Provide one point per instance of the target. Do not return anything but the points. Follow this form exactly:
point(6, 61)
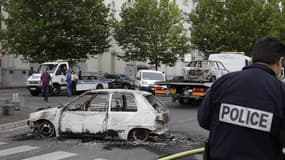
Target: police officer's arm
point(204, 111)
point(282, 131)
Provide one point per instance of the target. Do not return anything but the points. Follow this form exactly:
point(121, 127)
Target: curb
point(13, 125)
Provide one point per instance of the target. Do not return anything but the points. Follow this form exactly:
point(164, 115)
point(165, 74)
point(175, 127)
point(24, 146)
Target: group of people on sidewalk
point(71, 82)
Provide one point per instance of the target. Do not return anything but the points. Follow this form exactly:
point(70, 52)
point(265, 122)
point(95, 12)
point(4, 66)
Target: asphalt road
point(184, 134)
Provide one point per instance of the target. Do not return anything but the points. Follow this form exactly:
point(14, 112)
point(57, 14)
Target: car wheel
point(99, 86)
point(126, 86)
point(44, 129)
point(139, 135)
point(55, 89)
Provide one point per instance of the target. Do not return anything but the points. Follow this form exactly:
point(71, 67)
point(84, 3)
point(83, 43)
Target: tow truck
point(199, 76)
point(57, 70)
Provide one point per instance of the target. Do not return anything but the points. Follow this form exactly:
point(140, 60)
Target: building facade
point(13, 70)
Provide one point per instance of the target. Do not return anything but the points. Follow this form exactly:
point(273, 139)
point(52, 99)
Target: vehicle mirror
point(138, 78)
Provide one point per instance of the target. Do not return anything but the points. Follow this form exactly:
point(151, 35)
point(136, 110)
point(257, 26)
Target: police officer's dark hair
point(268, 50)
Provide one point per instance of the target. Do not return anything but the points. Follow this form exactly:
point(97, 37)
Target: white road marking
point(14, 150)
point(100, 159)
point(52, 156)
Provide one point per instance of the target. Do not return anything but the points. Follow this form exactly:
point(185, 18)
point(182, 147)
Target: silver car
point(204, 71)
point(108, 113)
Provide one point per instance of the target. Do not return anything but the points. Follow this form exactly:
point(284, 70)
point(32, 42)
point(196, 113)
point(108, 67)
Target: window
point(116, 103)
point(156, 104)
point(99, 103)
point(152, 76)
point(49, 67)
point(221, 66)
point(214, 65)
point(130, 103)
point(61, 69)
point(123, 103)
point(79, 103)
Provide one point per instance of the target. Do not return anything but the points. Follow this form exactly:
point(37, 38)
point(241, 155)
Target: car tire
point(126, 86)
point(139, 135)
point(99, 86)
point(55, 90)
point(44, 129)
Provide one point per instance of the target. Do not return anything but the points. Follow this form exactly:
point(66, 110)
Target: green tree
point(152, 31)
point(230, 25)
point(56, 29)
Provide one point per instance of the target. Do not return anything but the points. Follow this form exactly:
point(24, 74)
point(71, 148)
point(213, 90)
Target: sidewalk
point(19, 117)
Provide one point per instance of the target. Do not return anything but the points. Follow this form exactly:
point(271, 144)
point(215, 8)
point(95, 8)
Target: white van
point(145, 79)
point(232, 61)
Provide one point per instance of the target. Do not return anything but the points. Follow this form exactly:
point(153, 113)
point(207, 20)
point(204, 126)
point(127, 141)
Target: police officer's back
point(245, 110)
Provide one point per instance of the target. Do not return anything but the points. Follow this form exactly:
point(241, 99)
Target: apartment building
point(13, 70)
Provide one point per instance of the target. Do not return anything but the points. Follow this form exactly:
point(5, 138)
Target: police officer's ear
point(280, 61)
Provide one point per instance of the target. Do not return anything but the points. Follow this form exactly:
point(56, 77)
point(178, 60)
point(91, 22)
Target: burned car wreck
point(204, 71)
point(115, 113)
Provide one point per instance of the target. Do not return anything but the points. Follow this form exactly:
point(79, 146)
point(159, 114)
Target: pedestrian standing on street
point(80, 75)
point(68, 83)
point(244, 111)
point(74, 82)
point(46, 82)
point(31, 71)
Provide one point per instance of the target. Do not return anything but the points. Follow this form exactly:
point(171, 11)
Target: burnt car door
point(122, 114)
point(87, 116)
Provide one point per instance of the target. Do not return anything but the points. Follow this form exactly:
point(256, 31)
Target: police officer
point(245, 110)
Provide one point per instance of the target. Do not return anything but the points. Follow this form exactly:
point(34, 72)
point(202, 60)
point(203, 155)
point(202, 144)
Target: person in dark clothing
point(244, 111)
point(68, 83)
point(46, 84)
point(80, 75)
point(74, 82)
point(31, 71)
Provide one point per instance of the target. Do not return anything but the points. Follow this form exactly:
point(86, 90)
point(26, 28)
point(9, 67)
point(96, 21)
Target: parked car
point(120, 80)
point(204, 71)
point(108, 113)
point(145, 79)
point(92, 81)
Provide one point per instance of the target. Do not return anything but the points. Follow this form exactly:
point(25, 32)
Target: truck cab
point(57, 70)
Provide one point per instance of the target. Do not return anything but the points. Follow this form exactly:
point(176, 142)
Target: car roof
point(119, 91)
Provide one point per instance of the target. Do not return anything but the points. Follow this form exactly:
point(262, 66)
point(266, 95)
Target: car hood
point(47, 113)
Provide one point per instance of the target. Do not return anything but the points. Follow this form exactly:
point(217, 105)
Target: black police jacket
point(244, 112)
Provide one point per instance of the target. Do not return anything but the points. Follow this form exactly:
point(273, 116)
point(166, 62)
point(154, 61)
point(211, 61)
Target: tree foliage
point(230, 25)
point(56, 29)
point(152, 31)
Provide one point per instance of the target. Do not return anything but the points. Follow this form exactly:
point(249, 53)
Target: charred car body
point(204, 71)
point(115, 113)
